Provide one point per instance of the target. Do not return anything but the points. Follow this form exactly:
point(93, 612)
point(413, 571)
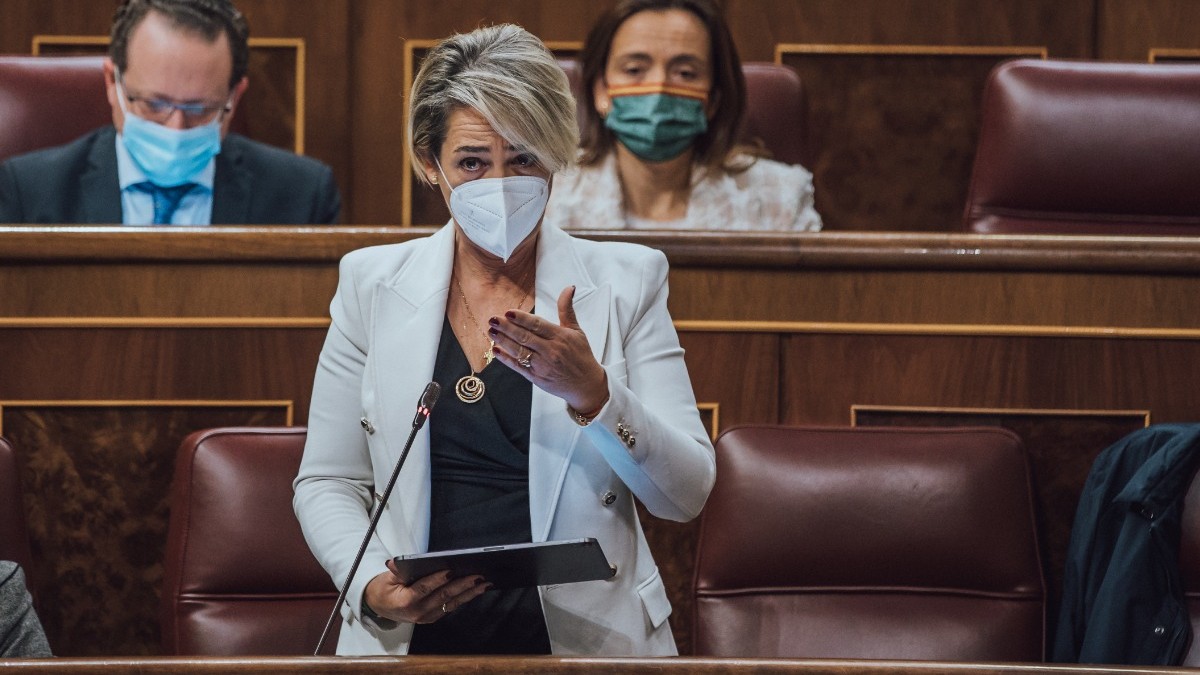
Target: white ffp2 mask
point(497, 214)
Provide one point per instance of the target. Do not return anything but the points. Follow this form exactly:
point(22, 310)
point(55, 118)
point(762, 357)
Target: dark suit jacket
point(255, 184)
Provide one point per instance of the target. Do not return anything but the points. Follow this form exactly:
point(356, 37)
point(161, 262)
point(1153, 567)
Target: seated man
point(175, 73)
point(21, 633)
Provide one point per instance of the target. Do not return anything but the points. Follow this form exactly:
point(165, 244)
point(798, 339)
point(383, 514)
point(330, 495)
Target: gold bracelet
point(584, 419)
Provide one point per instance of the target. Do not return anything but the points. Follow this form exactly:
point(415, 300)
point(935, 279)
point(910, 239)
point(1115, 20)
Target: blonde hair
point(506, 75)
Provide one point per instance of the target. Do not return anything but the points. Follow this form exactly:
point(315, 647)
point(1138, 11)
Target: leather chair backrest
point(775, 108)
point(776, 111)
point(14, 535)
point(1088, 148)
point(49, 100)
point(239, 578)
point(870, 543)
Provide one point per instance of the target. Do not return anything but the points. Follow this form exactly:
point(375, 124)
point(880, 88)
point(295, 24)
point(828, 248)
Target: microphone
point(429, 397)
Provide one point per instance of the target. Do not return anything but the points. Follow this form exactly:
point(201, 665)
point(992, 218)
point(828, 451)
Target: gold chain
point(490, 353)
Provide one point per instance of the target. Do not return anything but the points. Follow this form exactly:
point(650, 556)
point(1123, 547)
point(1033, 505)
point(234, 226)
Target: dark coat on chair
point(21, 634)
point(255, 184)
point(1123, 597)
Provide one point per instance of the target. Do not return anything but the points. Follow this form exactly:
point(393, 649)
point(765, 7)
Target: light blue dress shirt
point(137, 206)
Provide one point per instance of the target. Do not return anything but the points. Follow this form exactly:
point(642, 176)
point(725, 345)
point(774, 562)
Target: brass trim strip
point(1170, 53)
point(301, 47)
point(288, 405)
point(83, 40)
point(298, 44)
point(406, 162)
point(682, 326)
point(965, 330)
point(162, 322)
point(715, 409)
point(908, 50)
point(1075, 412)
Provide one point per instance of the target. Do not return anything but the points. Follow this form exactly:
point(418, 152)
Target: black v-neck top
point(479, 457)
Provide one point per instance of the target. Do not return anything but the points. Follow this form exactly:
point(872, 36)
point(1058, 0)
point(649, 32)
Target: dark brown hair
point(715, 149)
point(207, 18)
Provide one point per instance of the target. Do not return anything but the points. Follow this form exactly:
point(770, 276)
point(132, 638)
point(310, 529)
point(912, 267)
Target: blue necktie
point(166, 199)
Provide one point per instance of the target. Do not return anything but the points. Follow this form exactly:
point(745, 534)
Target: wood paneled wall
point(114, 343)
point(354, 98)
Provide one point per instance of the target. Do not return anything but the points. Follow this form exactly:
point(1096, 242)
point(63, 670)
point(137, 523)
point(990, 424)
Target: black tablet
point(515, 565)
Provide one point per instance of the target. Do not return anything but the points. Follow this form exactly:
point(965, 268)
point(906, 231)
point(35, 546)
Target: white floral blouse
point(769, 196)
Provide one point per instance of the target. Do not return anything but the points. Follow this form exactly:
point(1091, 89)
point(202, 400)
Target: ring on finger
point(525, 360)
point(444, 608)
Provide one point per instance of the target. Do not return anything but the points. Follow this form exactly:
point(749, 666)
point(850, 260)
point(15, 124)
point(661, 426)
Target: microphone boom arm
point(428, 399)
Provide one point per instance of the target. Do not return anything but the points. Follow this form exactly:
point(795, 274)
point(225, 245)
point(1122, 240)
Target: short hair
point(717, 148)
point(510, 78)
point(207, 18)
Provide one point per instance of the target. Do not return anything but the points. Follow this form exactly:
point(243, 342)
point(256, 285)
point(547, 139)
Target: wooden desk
point(115, 342)
point(542, 666)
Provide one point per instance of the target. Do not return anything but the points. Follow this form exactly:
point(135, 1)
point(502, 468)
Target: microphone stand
point(428, 399)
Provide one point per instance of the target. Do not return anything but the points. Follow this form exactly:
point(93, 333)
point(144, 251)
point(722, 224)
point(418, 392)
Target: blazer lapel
point(409, 312)
point(553, 436)
point(231, 185)
point(99, 186)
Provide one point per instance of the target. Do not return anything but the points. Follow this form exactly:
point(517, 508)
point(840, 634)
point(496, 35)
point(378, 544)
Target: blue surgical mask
point(168, 157)
point(657, 122)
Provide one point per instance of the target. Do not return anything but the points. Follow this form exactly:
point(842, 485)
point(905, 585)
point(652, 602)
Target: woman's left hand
point(556, 358)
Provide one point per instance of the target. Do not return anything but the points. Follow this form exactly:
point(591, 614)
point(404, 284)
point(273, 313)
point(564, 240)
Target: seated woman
point(570, 398)
point(664, 98)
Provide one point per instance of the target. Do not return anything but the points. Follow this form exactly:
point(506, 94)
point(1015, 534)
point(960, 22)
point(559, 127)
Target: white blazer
point(378, 356)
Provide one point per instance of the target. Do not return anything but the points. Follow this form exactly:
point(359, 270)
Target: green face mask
point(656, 122)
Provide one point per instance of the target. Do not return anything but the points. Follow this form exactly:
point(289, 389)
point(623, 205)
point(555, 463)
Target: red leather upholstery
point(239, 577)
point(776, 111)
point(14, 537)
point(870, 543)
point(1088, 148)
point(775, 107)
point(47, 101)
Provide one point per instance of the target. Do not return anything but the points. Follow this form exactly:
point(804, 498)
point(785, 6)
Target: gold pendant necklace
point(470, 388)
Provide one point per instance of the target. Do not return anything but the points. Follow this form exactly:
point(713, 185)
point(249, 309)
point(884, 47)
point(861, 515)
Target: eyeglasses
point(160, 110)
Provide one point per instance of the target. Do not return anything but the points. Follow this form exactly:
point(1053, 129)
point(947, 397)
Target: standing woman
point(566, 394)
point(664, 100)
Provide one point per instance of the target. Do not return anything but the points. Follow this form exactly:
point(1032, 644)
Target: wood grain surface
point(354, 77)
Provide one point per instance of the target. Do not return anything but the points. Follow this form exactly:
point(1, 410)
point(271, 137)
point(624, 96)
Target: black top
point(479, 457)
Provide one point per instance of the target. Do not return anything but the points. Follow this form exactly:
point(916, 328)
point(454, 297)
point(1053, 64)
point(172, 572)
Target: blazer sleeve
point(650, 431)
point(334, 489)
point(10, 202)
point(21, 634)
point(330, 200)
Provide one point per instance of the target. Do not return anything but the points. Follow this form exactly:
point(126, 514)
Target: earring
point(433, 179)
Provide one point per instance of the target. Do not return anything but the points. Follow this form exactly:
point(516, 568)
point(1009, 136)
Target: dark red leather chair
point(239, 578)
point(14, 535)
point(872, 543)
point(776, 111)
point(49, 100)
point(775, 107)
point(1088, 148)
